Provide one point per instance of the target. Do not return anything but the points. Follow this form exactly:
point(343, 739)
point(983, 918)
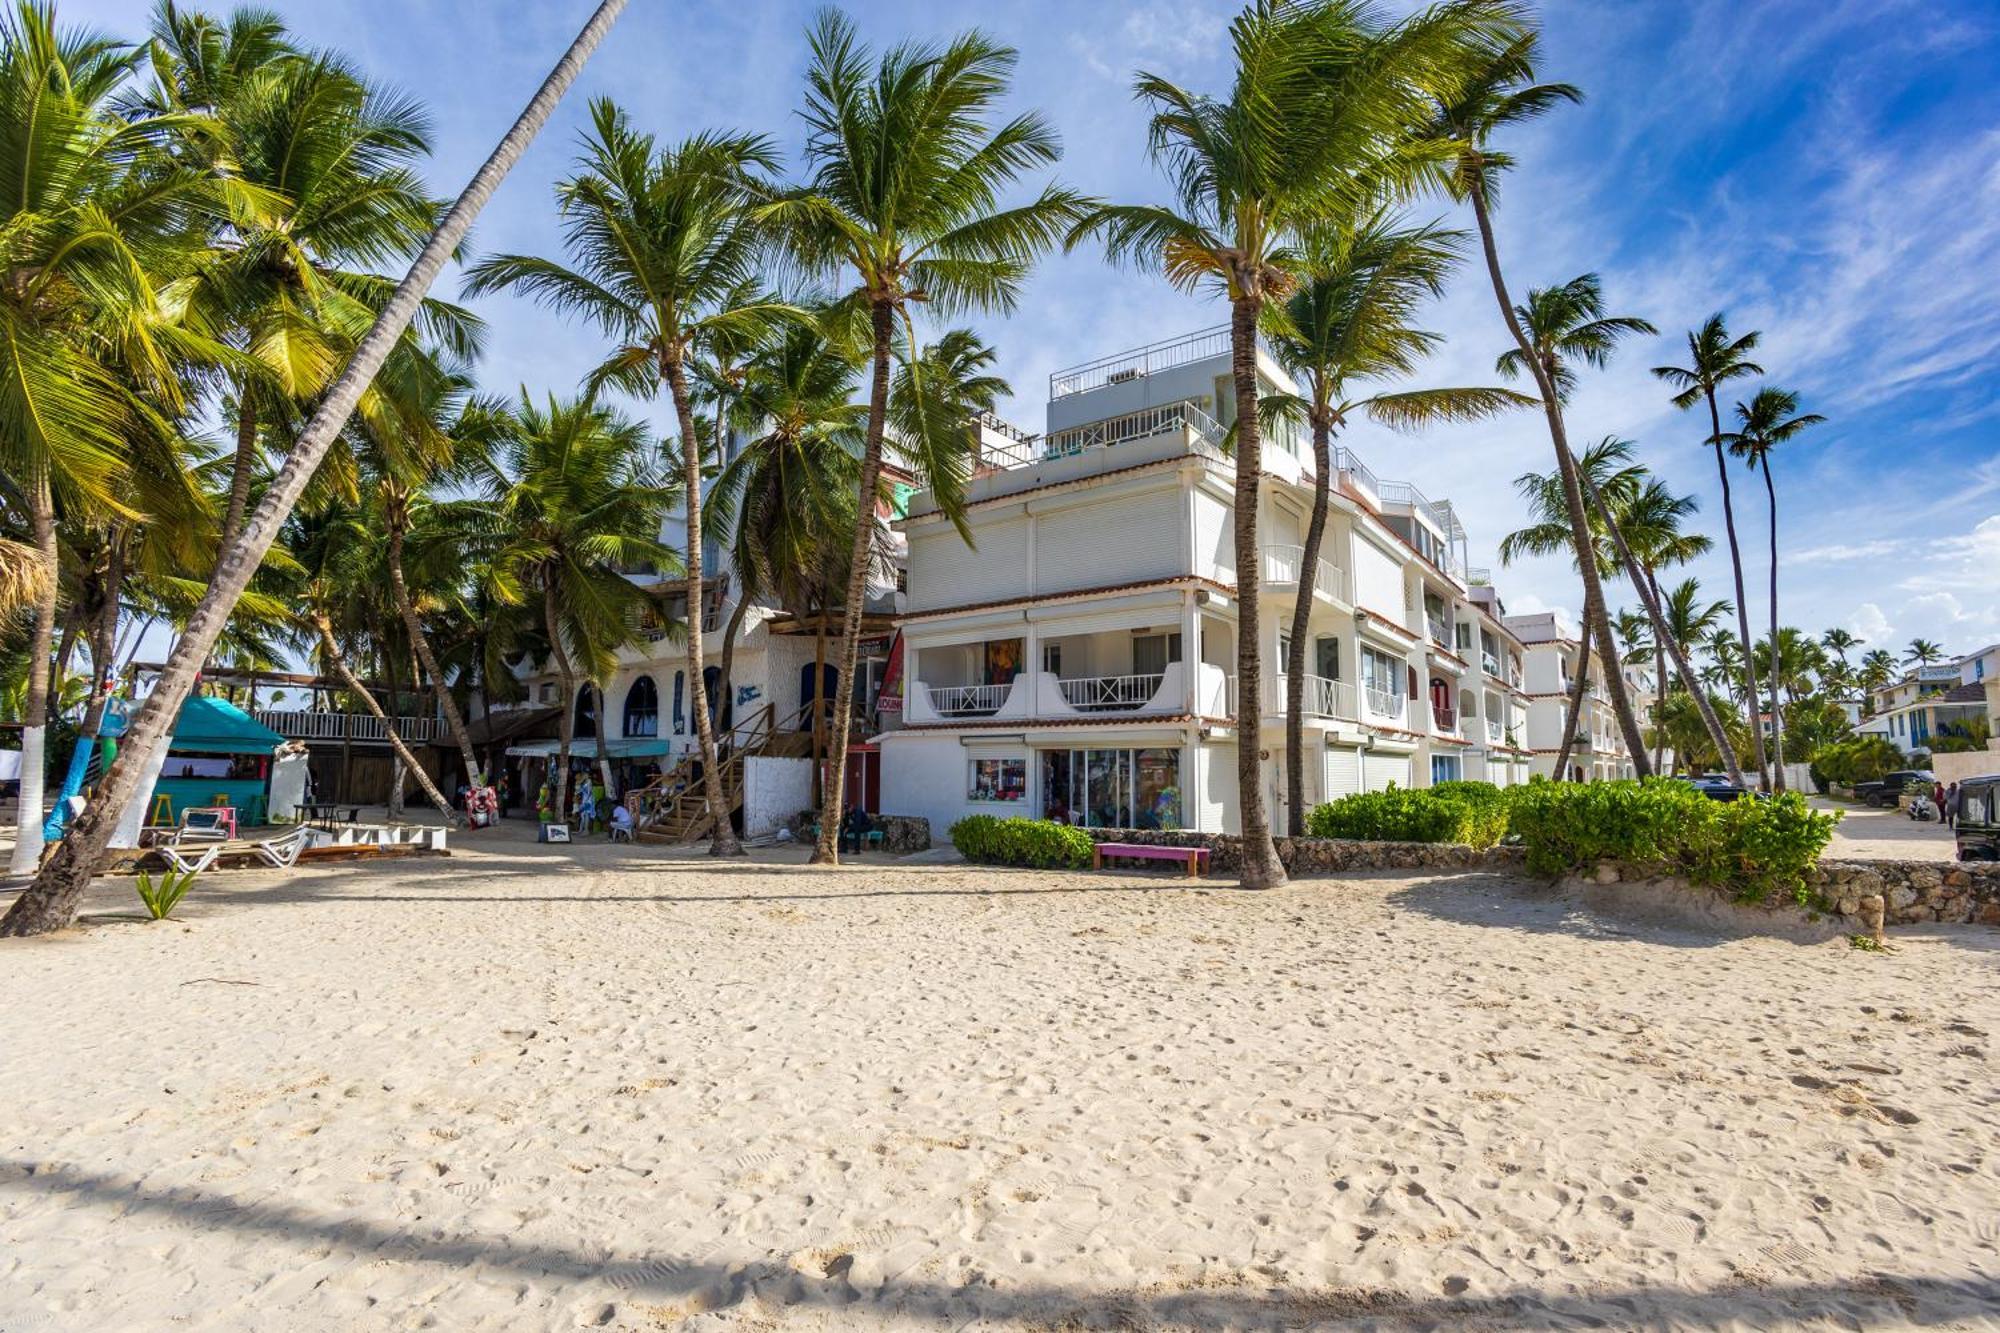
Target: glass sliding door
point(1113, 788)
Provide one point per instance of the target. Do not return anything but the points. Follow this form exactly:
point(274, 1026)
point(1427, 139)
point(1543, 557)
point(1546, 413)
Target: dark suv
point(1892, 785)
point(1978, 825)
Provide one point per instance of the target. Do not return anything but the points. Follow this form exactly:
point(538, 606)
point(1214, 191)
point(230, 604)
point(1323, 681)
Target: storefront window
point(999, 780)
point(1113, 788)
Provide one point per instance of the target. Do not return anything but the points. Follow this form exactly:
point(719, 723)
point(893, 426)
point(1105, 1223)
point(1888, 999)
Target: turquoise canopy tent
point(217, 751)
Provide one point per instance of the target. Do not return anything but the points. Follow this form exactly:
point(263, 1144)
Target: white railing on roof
point(1283, 563)
point(1322, 697)
point(306, 725)
point(968, 700)
point(1479, 576)
point(1104, 692)
point(1346, 460)
point(1140, 425)
point(1139, 362)
point(1404, 493)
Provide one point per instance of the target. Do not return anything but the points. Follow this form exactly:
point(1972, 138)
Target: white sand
point(517, 1090)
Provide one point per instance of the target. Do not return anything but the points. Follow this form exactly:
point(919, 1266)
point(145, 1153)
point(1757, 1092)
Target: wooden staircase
point(673, 808)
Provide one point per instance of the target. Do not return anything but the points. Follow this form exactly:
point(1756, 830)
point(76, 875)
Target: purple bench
point(1195, 858)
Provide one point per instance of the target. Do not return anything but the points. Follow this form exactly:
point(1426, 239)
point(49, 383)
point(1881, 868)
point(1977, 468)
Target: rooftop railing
point(1346, 460)
point(1139, 425)
point(307, 725)
point(1139, 362)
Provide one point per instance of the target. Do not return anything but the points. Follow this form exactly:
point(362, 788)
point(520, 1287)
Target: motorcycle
point(1922, 808)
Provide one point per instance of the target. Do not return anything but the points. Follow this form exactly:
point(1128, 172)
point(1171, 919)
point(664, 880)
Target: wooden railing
point(306, 725)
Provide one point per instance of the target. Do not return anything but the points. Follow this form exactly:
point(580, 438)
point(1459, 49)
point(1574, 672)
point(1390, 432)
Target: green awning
point(208, 725)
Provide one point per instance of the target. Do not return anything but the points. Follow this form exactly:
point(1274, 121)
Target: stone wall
point(1323, 856)
point(1913, 891)
point(901, 834)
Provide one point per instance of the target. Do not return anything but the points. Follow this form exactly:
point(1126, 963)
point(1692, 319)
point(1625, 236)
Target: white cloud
point(1867, 623)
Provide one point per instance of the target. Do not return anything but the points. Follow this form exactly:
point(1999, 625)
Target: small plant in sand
point(163, 895)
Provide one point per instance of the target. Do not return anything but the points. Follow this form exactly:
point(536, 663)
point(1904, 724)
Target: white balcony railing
point(1490, 665)
point(968, 700)
point(306, 725)
point(1322, 697)
point(1385, 704)
point(1283, 563)
point(1494, 732)
point(1101, 693)
point(1144, 424)
point(1140, 362)
point(1440, 632)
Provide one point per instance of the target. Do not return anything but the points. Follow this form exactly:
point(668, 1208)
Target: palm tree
point(1349, 322)
point(1557, 328)
point(93, 218)
point(1769, 419)
point(904, 177)
point(1839, 642)
point(24, 576)
point(1608, 469)
point(574, 491)
point(1922, 652)
point(1714, 359)
point(1878, 670)
point(664, 244)
point(1314, 130)
point(50, 903)
point(1650, 526)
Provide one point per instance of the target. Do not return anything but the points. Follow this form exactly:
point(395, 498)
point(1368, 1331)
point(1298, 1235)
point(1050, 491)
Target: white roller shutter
point(1124, 541)
point(944, 571)
point(1343, 772)
point(1379, 770)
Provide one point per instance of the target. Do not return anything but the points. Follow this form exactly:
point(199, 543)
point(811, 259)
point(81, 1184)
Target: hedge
point(1474, 813)
point(1042, 843)
point(1663, 826)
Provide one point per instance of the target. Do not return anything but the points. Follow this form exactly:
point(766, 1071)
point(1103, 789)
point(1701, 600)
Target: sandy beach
point(548, 1089)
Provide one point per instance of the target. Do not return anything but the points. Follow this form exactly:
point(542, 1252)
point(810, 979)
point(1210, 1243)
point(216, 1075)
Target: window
point(680, 701)
point(548, 692)
point(1152, 652)
point(1326, 657)
point(998, 780)
point(642, 708)
point(1052, 658)
point(1444, 768)
point(1113, 788)
point(1464, 637)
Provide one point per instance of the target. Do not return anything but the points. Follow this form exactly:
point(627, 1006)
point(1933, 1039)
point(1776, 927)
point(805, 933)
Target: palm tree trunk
point(1573, 710)
point(725, 684)
point(1777, 717)
point(604, 750)
point(1661, 686)
point(1648, 590)
point(104, 638)
point(454, 719)
point(241, 468)
point(51, 902)
point(827, 850)
point(819, 709)
point(566, 728)
point(723, 841)
point(1261, 868)
point(1295, 658)
point(35, 707)
point(338, 660)
point(1742, 605)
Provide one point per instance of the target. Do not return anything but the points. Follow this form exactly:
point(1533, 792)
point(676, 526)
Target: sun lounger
point(193, 858)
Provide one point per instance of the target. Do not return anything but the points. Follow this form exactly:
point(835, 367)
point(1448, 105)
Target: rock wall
point(1325, 856)
point(901, 834)
point(1913, 891)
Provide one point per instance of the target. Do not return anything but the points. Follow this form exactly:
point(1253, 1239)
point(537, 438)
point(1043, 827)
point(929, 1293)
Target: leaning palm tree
point(1714, 359)
point(574, 490)
point(1650, 526)
point(664, 245)
point(1922, 652)
point(1558, 328)
point(1348, 324)
point(1314, 130)
point(1769, 419)
point(1608, 468)
point(901, 204)
point(50, 903)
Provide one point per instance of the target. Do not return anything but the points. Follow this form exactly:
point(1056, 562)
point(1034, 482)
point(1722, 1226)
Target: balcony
point(1099, 694)
point(1445, 717)
point(305, 725)
point(1140, 362)
point(969, 700)
point(1490, 665)
point(1495, 733)
point(1185, 416)
point(1440, 632)
point(1322, 698)
point(1386, 705)
point(1283, 563)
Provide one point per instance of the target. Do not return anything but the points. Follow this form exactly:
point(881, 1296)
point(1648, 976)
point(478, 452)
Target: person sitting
point(621, 824)
point(854, 828)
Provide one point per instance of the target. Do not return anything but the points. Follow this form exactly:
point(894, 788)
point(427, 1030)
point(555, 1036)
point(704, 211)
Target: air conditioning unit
point(1121, 376)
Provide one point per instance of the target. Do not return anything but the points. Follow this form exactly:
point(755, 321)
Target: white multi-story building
point(1076, 658)
point(1552, 651)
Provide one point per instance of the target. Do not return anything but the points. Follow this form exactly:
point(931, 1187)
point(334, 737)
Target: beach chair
point(202, 824)
point(281, 852)
point(198, 855)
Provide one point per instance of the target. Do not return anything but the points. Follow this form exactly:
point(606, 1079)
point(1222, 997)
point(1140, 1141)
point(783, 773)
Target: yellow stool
point(163, 809)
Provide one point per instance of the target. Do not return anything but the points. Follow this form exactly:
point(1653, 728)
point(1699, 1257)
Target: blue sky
point(1827, 171)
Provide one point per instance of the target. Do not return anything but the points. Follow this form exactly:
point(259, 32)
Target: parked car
point(1979, 819)
point(1890, 787)
point(1718, 787)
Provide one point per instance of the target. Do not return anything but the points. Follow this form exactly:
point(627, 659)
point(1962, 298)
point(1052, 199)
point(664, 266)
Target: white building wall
point(1378, 581)
point(1214, 538)
point(773, 791)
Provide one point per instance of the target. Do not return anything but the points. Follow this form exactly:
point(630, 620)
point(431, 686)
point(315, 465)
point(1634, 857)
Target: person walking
point(1949, 810)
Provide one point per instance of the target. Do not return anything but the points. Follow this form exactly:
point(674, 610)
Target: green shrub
point(163, 895)
point(1752, 848)
point(1475, 813)
point(1861, 759)
point(1042, 843)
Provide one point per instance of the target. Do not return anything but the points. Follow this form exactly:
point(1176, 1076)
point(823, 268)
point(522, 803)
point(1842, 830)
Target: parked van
point(1979, 819)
